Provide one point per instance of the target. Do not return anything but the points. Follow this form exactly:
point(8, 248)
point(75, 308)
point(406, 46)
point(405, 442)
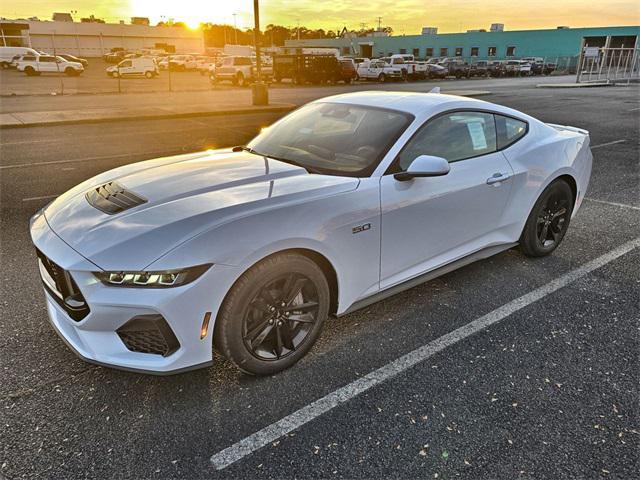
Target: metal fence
point(609, 65)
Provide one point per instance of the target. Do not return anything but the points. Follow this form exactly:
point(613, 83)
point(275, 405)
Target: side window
point(126, 63)
point(47, 59)
point(509, 130)
point(453, 136)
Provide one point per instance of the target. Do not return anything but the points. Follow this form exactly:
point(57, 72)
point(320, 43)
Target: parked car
point(398, 62)
point(537, 64)
point(458, 68)
point(10, 54)
point(436, 71)
point(379, 70)
point(73, 58)
point(204, 64)
point(348, 72)
point(496, 68)
point(307, 68)
point(251, 249)
point(114, 56)
point(133, 67)
point(479, 68)
point(182, 63)
point(549, 68)
point(517, 68)
point(38, 64)
point(239, 70)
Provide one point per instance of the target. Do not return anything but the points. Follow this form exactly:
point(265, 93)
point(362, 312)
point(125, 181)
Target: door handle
point(497, 178)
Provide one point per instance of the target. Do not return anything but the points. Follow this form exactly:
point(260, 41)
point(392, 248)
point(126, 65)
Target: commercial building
point(496, 43)
point(93, 39)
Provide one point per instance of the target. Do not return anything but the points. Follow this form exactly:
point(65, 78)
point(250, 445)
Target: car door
point(47, 64)
point(126, 68)
point(428, 222)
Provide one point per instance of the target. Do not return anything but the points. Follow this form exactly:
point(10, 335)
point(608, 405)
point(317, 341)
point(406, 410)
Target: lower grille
point(63, 289)
point(149, 334)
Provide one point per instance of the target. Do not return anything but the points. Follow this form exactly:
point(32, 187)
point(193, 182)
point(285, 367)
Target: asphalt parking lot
point(549, 389)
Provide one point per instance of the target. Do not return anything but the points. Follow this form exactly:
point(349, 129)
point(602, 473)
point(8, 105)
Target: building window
point(416, 52)
point(511, 51)
point(458, 51)
point(444, 52)
point(345, 50)
point(403, 51)
point(491, 52)
point(475, 51)
point(429, 53)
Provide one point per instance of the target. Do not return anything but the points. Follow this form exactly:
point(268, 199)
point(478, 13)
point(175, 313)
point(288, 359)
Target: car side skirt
point(425, 277)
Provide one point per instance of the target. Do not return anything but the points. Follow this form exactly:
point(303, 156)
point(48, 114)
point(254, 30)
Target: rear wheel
point(240, 80)
point(273, 314)
point(148, 74)
point(382, 77)
point(30, 71)
point(548, 221)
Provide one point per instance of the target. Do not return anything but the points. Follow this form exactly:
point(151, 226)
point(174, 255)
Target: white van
point(8, 54)
point(131, 67)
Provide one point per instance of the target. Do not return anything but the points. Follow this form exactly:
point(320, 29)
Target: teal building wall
point(549, 44)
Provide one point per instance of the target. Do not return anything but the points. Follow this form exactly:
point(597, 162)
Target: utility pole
point(379, 23)
point(235, 27)
point(260, 93)
point(298, 28)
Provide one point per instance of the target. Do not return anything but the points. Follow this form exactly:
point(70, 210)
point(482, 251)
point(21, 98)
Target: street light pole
point(259, 88)
point(235, 27)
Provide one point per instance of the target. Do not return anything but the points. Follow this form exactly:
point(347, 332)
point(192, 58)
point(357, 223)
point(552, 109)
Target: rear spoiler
point(569, 129)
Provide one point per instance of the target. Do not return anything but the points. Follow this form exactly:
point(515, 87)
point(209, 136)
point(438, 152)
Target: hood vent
point(112, 198)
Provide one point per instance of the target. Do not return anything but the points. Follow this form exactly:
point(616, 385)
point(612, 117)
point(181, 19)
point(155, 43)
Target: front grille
point(64, 289)
point(112, 198)
point(149, 334)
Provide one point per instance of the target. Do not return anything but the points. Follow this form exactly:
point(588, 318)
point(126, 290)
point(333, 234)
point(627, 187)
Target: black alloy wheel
point(280, 317)
point(273, 314)
point(549, 220)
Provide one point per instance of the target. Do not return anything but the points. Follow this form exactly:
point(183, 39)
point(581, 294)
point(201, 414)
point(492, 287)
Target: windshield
point(333, 138)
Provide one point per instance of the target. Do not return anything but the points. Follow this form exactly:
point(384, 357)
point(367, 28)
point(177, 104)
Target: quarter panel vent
point(112, 198)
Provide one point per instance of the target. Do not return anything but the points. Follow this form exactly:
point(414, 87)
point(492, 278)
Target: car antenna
point(435, 90)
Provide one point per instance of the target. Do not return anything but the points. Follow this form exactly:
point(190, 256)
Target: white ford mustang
point(347, 200)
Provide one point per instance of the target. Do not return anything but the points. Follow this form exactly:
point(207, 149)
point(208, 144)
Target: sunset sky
point(404, 16)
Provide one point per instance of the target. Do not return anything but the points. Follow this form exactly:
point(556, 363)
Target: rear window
point(509, 130)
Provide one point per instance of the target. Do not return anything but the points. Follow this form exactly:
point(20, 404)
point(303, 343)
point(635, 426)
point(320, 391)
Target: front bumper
point(98, 336)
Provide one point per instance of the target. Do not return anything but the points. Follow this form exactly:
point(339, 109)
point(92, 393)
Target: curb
point(573, 85)
point(278, 108)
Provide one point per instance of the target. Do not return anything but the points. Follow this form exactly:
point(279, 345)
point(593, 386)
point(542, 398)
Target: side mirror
point(424, 166)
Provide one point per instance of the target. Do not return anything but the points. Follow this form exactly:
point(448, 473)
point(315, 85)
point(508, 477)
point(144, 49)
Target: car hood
point(185, 195)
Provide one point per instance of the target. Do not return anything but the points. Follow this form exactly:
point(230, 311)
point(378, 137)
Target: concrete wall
point(95, 39)
point(528, 43)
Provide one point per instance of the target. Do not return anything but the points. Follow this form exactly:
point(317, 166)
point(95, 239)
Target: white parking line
point(613, 204)
point(43, 197)
point(88, 159)
point(300, 417)
point(608, 143)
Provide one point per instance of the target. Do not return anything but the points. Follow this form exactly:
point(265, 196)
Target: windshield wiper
point(242, 148)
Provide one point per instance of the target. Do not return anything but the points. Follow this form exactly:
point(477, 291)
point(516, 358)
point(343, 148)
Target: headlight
point(152, 279)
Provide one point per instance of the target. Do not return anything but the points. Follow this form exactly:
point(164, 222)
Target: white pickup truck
point(240, 70)
point(38, 64)
point(411, 69)
point(378, 70)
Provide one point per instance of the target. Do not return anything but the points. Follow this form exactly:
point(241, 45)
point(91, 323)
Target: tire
point(30, 71)
point(382, 78)
point(70, 72)
point(240, 80)
point(115, 74)
point(548, 221)
point(251, 329)
point(148, 74)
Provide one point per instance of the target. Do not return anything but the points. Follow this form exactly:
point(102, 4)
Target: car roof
point(419, 104)
point(409, 102)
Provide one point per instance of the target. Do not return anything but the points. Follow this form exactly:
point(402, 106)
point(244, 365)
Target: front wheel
point(273, 315)
point(548, 221)
point(382, 78)
point(148, 74)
